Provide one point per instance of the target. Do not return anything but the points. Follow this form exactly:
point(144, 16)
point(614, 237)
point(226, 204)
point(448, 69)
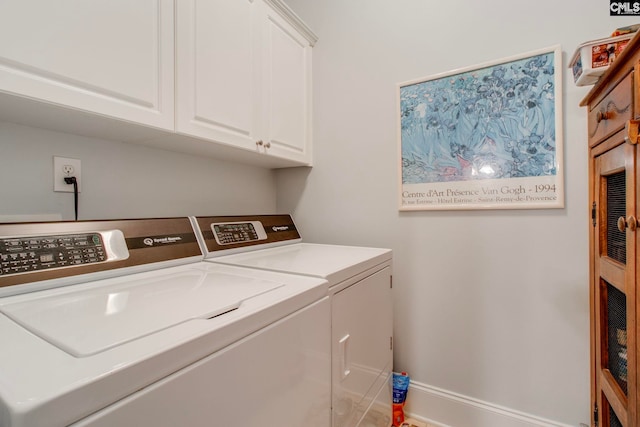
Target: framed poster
point(484, 137)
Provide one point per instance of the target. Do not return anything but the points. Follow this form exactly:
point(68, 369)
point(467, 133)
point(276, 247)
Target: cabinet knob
point(267, 144)
point(259, 143)
point(631, 128)
point(601, 115)
point(629, 222)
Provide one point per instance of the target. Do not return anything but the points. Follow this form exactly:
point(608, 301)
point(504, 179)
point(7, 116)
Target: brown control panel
point(221, 233)
point(34, 252)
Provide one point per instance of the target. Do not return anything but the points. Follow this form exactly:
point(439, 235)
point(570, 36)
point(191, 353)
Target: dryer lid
point(334, 263)
point(90, 320)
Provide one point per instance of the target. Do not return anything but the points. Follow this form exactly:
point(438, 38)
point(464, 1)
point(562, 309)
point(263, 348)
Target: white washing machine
point(121, 323)
point(361, 303)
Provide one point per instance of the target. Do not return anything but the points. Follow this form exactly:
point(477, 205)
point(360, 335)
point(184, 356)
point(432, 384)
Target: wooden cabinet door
point(218, 71)
point(613, 285)
point(114, 58)
point(286, 85)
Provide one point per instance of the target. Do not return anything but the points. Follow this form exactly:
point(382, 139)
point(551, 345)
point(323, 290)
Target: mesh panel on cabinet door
point(616, 208)
point(613, 419)
point(617, 335)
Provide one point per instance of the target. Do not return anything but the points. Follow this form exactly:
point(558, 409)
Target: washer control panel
point(25, 254)
point(228, 233)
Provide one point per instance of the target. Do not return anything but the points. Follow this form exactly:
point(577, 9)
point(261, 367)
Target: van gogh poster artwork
point(486, 137)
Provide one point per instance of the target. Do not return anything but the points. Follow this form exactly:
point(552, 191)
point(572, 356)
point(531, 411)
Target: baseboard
point(448, 409)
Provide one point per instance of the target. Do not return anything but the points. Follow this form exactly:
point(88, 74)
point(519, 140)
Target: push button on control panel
point(33, 253)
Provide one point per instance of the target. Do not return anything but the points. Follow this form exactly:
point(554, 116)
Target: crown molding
point(290, 16)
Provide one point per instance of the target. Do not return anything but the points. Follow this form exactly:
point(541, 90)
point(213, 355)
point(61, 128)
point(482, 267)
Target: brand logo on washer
point(280, 227)
point(161, 240)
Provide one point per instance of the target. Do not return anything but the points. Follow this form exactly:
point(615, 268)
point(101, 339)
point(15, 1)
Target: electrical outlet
point(64, 167)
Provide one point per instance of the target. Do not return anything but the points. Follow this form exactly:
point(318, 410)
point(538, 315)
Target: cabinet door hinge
point(595, 415)
point(391, 343)
point(593, 214)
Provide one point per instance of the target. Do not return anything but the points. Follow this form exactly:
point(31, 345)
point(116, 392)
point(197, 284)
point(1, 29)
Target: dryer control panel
point(222, 235)
point(227, 233)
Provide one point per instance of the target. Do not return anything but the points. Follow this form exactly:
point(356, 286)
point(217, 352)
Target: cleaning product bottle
point(400, 388)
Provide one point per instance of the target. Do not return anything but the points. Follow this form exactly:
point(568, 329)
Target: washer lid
point(88, 321)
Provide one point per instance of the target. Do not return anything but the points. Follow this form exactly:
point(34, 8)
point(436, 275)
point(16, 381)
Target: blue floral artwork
point(495, 122)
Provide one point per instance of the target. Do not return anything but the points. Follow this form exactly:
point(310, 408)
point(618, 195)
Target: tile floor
point(410, 422)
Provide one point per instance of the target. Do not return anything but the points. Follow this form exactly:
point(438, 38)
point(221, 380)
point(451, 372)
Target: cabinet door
point(218, 71)
point(614, 287)
point(362, 327)
point(108, 57)
point(286, 80)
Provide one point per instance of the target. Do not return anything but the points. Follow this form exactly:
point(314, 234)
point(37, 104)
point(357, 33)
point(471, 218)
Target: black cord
point(74, 181)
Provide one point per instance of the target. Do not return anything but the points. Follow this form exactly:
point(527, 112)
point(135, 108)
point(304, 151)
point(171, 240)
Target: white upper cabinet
point(286, 84)
point(224, 78)
point(244, 76)
point(217, 71)
point(114, 58)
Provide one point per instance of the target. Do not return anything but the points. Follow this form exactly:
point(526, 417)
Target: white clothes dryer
point(121, 323)
point(361, 303)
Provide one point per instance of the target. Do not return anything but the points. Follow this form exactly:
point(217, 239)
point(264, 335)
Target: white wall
point(492, 306)
point(123, 180)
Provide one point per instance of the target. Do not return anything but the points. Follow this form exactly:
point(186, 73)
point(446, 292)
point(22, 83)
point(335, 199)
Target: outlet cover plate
point(58, 174)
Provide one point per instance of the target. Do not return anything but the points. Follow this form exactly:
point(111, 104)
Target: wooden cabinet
point(244, 77)
point(224, 78)
point(613, 111)
point(112, 58)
